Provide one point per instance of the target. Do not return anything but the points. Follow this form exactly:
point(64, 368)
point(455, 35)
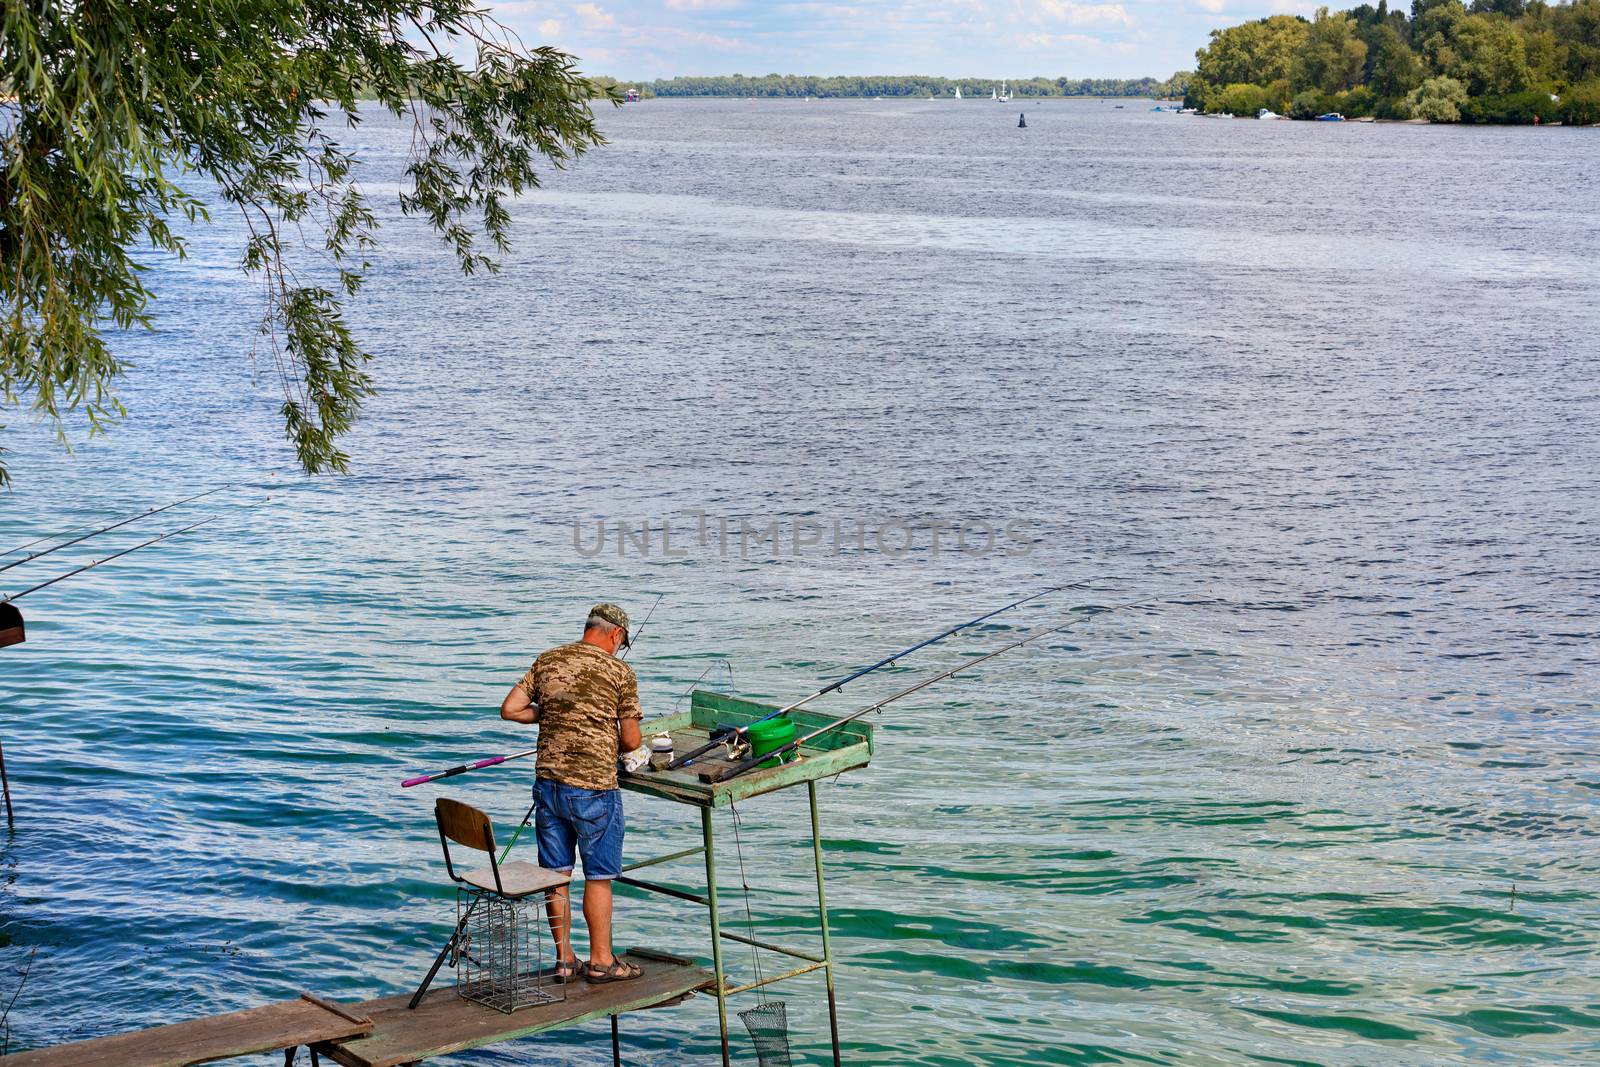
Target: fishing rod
point(96, 533)
point(640, 631)
point(722, 774)
point(492, 761)
point(495, 761)
point(719, 737)
point(108, 559)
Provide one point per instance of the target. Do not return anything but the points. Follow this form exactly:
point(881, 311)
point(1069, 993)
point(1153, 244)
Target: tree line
point(912, 85)
point(1498, 61)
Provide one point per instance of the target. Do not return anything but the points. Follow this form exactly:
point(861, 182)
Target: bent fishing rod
point(722, 774)
point(737, 733)
point(108, 559)
point(495, 761)
point(96, 533)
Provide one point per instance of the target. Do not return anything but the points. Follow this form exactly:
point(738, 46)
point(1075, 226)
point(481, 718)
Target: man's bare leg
point(558, 906)
point(597, 917)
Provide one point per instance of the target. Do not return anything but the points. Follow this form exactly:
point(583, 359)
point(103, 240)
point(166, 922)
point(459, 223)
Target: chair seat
point(519, 877)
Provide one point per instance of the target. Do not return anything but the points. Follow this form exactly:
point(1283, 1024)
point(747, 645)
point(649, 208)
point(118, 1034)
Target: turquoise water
point(1327, 391)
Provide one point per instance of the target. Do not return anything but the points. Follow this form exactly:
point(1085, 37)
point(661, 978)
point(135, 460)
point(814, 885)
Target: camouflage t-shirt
point(582, 692)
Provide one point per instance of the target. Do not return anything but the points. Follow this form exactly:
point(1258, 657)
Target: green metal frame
point(844, 749)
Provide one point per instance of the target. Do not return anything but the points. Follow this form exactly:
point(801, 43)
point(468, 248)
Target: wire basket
point(500, 954)
point(768, 1023)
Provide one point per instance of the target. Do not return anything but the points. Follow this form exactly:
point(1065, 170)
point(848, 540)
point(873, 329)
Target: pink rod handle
point(463, 769)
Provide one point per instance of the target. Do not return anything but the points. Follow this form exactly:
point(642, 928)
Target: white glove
point(634, 761)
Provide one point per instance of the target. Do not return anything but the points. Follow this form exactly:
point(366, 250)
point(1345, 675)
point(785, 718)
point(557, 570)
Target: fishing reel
point(734, 744)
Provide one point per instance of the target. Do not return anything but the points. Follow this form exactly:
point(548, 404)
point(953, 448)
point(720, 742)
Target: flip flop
point(615, 971)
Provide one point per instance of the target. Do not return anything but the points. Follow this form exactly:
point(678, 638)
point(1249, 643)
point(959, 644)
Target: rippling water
point(1329, 390)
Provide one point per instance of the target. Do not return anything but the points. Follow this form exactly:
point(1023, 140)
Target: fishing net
point(768, 1023)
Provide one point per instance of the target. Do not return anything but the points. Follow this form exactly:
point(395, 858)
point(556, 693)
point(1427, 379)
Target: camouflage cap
point(610, 613)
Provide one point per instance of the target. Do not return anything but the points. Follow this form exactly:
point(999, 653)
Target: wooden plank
point(844, 749)
point(445, 1023)
point(286, 1024)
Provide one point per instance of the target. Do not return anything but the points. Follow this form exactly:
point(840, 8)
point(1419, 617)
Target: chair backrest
point(464, 824)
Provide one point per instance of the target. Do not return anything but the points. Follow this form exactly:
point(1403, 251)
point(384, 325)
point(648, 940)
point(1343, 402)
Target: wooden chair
point(506, 882)
point(470, 828)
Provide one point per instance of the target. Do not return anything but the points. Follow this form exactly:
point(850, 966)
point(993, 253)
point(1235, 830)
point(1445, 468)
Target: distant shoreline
point(906, 86)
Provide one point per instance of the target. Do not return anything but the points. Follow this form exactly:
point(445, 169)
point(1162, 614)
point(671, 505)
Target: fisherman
point(585, 702)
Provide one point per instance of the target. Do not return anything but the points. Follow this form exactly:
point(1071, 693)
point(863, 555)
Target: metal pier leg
point(5, 783)
point(716, 933)
point(822, 908)
point(616, 1044)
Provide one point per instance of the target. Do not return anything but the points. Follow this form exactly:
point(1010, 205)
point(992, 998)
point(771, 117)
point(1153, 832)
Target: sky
point(643, 39)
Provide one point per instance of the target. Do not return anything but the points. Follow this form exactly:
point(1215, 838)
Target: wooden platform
point(444, 1022)
point(844, 749)
point(286, 1024)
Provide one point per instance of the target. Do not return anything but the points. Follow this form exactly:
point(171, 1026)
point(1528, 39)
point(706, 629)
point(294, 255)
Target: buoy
point(12, 631)
point(1022, 121)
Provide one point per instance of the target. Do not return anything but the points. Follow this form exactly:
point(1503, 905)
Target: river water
point(1328, 392)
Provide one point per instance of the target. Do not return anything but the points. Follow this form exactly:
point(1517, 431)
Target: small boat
point(1332, 116)
point(1268, 113)
point(1188, 111)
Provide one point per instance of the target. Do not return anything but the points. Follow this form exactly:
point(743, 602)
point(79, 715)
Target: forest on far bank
point(1499, 61)
point(913, 85)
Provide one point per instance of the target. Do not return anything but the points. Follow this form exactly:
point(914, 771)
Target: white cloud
point(962, 38)
point(1075, 14)
point(593, 17)
point(1051, 40)
point(695, 37)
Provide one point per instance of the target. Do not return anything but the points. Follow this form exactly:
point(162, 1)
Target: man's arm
point(629, 713)
point(631, 738)
point(518, 707)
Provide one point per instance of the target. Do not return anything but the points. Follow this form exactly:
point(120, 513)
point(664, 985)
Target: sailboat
point(994, 94)
point(958, 92)
point(1005, 93)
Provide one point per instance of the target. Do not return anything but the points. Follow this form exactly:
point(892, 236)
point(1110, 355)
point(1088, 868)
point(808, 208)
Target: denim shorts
point(588, 819)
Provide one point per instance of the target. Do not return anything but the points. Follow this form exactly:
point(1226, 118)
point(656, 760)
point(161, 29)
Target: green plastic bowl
point(774, 733)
